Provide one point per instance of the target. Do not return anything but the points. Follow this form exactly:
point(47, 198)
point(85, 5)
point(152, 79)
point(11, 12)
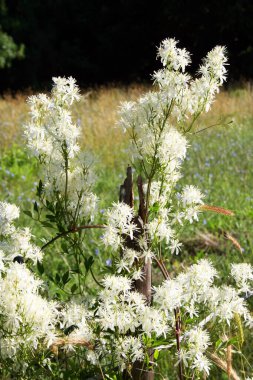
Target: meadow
point(219, 163)
point(219, 160)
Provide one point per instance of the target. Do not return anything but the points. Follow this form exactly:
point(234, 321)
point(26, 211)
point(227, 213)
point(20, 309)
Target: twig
point(211, 126)
point(222, 365)
point(178, 323)
point(72, 230)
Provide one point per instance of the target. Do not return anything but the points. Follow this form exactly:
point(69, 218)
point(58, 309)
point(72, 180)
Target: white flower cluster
point(173, 57)
point(16, 241)
point(119, 225)
point(179, 95)
point(123, 310)
point(195, 295)
point(26, 318)
point(129, 350)
point(157, 123)
point(8, 213)
point(197, 341)
point(52, 136)
point(51, 129)
point(163, 226)
point(243, 275)
point(76, 316)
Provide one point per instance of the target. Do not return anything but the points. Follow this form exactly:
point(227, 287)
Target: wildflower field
point(76, 251)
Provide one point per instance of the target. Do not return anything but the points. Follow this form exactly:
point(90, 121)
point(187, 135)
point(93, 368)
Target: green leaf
point(50, 217)
point(28, 213)
point(50, 206)
point(35, 207)
point(40, 267)
point(47, 224)
point(57, 278)
point(156, 354)
point(65, 277)
point(88, 262)
point(218, 344)
point(73, 288)
point(40, 188)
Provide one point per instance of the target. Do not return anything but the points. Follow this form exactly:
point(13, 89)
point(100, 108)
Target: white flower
point(172, 56)
point(225, 303)
point(172, 148)
point(175, 246)
point(117, 284)
point(242, 273)
point(8, 213)
point(191, 195)
point(26, 315)
point(169, 295)
point(191, 213)
point(119, 223)
point(160, 228)
point(201, 363)
point(137, 274)
point(128, 350)
point(153, 321)
point(198, 339)
point(148, 256)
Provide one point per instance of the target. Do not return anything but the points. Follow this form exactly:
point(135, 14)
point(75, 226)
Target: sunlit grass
point(219, 160)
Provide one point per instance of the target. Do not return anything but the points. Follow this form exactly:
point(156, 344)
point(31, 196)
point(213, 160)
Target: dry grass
point(97, 115)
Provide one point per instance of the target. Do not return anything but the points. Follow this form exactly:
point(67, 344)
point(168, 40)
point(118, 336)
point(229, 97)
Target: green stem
point(72, 230)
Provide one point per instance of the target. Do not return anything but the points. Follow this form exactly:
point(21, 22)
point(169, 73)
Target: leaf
point(50, 217)
point(40, 188)
point(156, 354)
point(40, 267)
point(28, 213)
point(76, 270)
point(65, 277)
point(88, 262)
point(57, 278)
point(73, 288)
point(50, 206)
point(36, 207)
point(47, 224)
point(218, 344)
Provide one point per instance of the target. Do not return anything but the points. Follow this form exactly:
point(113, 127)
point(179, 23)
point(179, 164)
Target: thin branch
point(94, 278)
point(72, 230)
point(178, 322)
point(161, 267)
point(211, 126)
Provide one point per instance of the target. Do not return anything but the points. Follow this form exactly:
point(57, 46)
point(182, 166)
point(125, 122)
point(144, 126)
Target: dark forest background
point(99, 41)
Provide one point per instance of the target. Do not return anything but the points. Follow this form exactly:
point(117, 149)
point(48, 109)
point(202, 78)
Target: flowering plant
point(120, 328)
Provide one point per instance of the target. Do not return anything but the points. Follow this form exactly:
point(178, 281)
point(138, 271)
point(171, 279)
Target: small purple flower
point(108, 262)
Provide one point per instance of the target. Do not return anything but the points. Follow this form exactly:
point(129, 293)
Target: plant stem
point(72, 230)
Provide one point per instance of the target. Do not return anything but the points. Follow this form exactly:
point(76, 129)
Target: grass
point(219, 162)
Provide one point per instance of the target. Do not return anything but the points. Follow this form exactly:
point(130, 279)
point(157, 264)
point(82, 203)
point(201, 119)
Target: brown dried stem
point(69, 340)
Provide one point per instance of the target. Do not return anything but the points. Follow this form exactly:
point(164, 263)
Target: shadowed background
point(99, 41)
